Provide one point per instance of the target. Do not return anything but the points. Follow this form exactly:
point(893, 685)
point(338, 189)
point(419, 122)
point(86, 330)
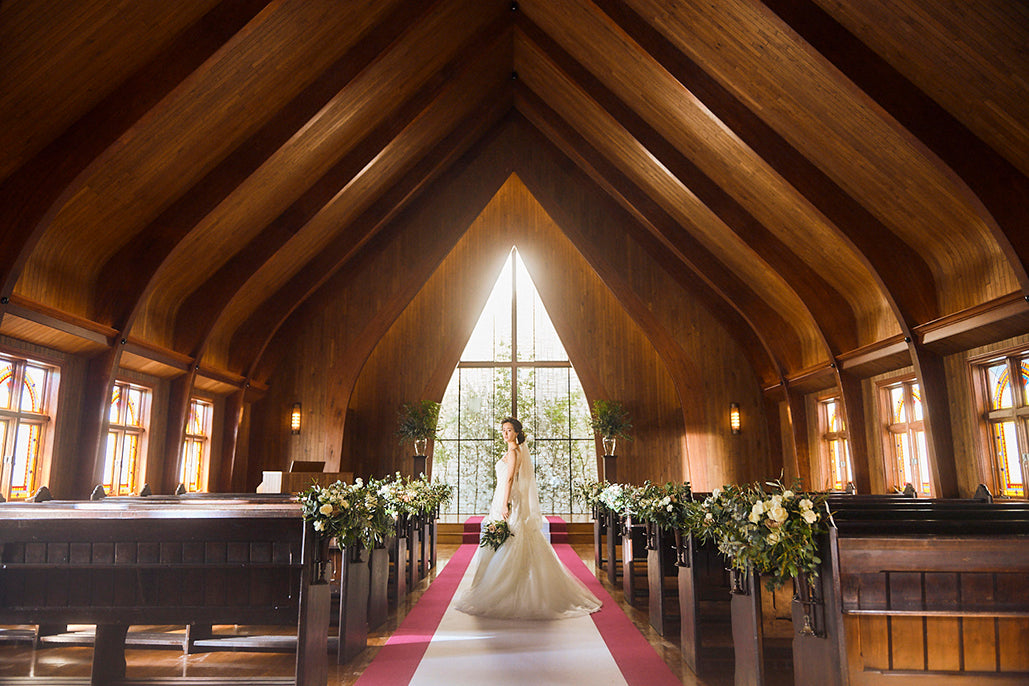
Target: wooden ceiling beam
point(999, 186)
point(201, 308)
point(690, 252)
point(906, 279)
point(35, 191)
point(827, 306)
point(252, 337)
point(136, 263)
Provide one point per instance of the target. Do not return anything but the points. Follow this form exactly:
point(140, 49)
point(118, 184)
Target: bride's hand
point(504, 511)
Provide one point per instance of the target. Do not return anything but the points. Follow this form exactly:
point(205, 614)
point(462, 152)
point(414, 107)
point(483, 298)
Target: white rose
point(779, 514)
point(773, 537)
point(787, 494)
point(319, 526)
point(325, 509)
point(758, 508)
point(806, 504)
point(716, 492)
point(754, 517)
point(810, 516)
point(775, 500)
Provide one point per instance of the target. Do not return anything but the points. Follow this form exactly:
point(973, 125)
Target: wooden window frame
point(44, 420)
point(989, 469)
point(826, 436)
point(206, 442)
point(894, 476)
point(120, 431)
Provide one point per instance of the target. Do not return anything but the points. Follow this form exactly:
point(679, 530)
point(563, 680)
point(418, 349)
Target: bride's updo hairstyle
point(516, 425)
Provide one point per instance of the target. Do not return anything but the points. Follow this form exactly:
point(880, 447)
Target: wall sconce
point(294, 419)
point(734, 417)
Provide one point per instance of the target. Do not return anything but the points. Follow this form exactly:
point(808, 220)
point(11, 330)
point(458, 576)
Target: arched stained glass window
point(125, 439)
point(1007, 420)
point(908, 450)
point(514, 364)
point(25, 390)
point(835, 446)
point(196, 446)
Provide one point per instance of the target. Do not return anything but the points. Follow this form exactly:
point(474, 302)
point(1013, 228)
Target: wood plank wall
point(679, 396)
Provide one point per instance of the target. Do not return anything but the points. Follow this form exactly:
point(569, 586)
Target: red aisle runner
point(397, 661)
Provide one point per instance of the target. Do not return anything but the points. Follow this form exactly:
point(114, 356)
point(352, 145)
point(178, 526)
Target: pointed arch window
point(514, 365)
point(835, 446)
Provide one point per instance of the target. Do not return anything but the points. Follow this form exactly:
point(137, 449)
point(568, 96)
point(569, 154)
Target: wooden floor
point(18, 660)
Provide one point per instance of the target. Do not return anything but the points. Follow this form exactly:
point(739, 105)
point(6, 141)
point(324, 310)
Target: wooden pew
point(662, 580)
point(705, 636)
point(635, 586)
point(613, 546)
point(119, 564)
point(926, 592)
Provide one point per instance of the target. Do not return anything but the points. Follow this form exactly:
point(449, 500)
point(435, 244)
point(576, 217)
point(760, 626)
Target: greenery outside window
point(27, 389)
point(514, 365)
point(128, 418)
point(835, 447)
point(906, 449)
point(1007, 419)
point(196, 448)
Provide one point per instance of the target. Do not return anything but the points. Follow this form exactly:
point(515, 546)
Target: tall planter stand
point(662, 576)
point(353, 603)
point(634, 556)
point(425, 550)
point(378, 595)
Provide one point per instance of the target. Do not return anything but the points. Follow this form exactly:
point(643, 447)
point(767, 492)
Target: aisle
point(437, 645)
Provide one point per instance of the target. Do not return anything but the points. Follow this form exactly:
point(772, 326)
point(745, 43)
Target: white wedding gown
point(523, 578)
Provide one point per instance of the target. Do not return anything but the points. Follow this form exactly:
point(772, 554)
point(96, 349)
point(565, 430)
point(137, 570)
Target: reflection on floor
point(18, 659)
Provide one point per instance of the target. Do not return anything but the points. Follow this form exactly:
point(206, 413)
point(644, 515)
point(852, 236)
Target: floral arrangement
point(351, 513)
point(616, 497)
point(588, 492)
point(494, 533)
point(667, 505)
point(405, 496)
point(771, 533)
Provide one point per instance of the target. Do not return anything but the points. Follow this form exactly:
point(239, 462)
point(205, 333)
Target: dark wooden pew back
point(933, 591)
point(116, 564)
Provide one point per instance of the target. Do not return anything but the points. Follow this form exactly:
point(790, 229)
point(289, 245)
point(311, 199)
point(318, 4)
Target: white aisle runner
point(482, 651)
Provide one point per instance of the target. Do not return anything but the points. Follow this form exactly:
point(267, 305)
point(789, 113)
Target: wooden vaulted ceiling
point(842, 181)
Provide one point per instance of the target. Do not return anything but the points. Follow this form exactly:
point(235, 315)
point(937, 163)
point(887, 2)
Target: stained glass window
point(514, 364)
point(836, 451)
point(1007, 421)
point(126, 417)
point(24, 397)
point(910, 453)
point(195, 448)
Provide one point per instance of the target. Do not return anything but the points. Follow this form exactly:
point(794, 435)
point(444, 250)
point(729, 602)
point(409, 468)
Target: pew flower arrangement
point(351, 513)
point(773, 533)
point(667, 506)
point(588, 492)
point(617, 498)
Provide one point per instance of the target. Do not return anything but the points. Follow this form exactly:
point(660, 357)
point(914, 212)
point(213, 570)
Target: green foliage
point(610, 419)
point(417, 420)
point(494, 533)
point(774, 534)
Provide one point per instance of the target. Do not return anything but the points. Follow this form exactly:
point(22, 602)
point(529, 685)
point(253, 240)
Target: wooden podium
point(295, 482)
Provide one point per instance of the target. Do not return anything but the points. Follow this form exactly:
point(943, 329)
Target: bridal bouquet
point(494, 533)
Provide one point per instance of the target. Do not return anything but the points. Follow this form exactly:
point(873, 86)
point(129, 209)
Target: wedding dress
point(523, 578)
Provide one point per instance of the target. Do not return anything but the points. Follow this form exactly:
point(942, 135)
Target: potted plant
point(611, 422)
point(418, 423)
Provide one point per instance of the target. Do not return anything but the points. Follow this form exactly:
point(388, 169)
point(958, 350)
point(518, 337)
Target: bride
point(523, 578)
